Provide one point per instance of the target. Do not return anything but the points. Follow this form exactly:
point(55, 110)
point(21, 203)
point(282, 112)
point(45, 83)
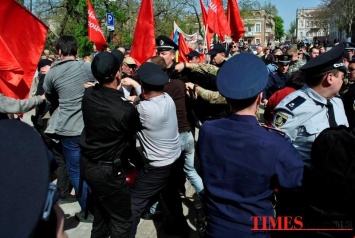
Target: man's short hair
point(67, 45)
point(315, 80)
point(292, 51)
point(158, 60)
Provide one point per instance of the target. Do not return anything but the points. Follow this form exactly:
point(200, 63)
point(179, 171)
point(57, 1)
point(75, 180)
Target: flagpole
point(205, 38)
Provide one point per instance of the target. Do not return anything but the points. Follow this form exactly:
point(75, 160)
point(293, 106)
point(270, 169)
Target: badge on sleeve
point(280, 119)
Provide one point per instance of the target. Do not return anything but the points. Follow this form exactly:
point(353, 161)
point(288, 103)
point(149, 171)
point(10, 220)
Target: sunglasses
point(234, 46)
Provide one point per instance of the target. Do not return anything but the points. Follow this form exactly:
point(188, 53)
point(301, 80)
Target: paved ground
point(146, 228)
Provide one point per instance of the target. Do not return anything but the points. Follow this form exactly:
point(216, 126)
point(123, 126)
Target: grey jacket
point(11, 105)
point(65, 82)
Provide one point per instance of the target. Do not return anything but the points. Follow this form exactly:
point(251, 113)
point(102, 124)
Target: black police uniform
point(277, 80)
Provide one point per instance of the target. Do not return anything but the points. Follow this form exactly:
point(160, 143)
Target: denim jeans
point(72, 155)
point(188, 150)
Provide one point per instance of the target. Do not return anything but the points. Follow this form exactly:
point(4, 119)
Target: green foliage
point(279, 28)
point(292, 29)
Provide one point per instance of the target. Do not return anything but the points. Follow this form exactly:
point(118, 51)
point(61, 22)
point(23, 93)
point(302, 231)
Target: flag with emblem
point(94, 29)
point(143, 45)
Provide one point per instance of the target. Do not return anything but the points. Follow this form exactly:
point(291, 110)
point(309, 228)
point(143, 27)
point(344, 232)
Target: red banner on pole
point(217, 19)
point(235, 21)
point(143, 46)
point(22, 39)
point(94, 29)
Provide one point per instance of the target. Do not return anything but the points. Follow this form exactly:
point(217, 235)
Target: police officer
point(277, 80)
point(239, 157)
point(166, 48)
point(193, 57)
point(303, 114)
point(349, 96)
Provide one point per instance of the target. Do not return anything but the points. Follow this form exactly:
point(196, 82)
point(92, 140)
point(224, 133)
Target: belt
point(106, 163)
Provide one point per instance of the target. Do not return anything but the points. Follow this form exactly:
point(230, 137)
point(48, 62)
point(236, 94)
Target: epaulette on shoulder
point(274, 130)
point(295, 103)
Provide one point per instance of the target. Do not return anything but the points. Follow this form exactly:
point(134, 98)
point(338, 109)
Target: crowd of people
point(91, 111)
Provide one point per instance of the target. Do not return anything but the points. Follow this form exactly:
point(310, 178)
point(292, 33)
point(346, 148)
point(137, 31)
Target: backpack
point(330, 183)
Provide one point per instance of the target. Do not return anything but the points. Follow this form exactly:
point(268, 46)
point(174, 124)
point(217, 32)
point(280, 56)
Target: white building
point(306, 25)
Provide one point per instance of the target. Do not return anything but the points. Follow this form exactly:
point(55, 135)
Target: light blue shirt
point(303, 115)
point(160, 136)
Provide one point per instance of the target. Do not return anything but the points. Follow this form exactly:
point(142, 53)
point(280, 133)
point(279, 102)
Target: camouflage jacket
point(213, 97)
point(205, 68)
point(295, 66)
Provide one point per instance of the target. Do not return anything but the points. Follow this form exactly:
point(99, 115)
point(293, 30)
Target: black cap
point(119, 55)
point(43, 63)
point(242, 76)
point(193, 53)
point(349, 46)
point(24, 178)
point(105, 66)
point(165, 43)
point(217, 48)
point(336, 40)
point(152, 74)
point(332, 59)
point(284, 59)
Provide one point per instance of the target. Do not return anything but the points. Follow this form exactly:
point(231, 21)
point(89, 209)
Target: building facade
point(306, 25)
point(259, 28)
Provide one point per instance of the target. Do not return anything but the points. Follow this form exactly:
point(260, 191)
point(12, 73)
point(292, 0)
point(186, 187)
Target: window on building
point(307, 23)
point(301, 33)
point(301, 24)
point(307, 33)
point(257, 41)
point(312, 24)
point(257, 27)
point(250, 29)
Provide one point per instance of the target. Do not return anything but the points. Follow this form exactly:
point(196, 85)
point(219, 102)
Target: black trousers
point(110, 194)
point(150, 182)
point(63, 182)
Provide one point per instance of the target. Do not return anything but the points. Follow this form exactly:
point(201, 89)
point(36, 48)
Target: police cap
point(164, 43)
point(332, 59)
point(242, 76)
point(349, 46)
point(193, 53)
point(152, 74)
point(284, 59)
point(217, 48)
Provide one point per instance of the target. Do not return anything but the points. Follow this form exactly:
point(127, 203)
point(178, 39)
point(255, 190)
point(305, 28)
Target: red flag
point(22, 38)
point(143, 46)
point(184, 49)
point(204, 13)
point(217, 19)
point(94, 29)
point(234, 20)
